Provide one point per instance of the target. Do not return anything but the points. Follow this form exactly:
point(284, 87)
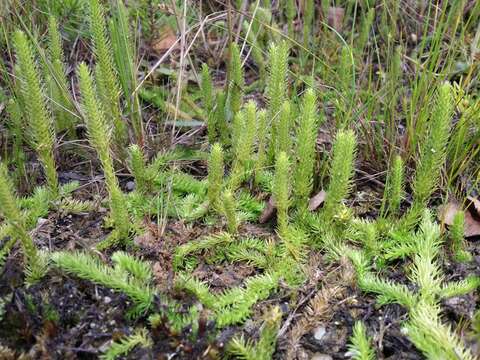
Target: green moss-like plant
point(305, 150)
point(215, 174)
point(88, 267)
point(276, 89)
point(262, 143)
point(138, 168)
point(229, 210)
point(99, 134)
point(236, 80)
point(432, 158)
point(281, 191)
point(457, 236)
point(360, 348)
point(39, 119)
point(35, 265)
point(208, 97)
point(265, 347)
point(284, 141)
point(394, 188)
point(341, 172)
point(107, 81)
point(126, 344)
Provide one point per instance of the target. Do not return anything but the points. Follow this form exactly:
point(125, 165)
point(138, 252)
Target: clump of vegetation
point(230, 169)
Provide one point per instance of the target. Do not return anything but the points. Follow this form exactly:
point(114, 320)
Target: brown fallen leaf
point(317, 200)
point(447, 213)
point(268, 212)
point(474, 206)
point(335, 17)
point(165, 41)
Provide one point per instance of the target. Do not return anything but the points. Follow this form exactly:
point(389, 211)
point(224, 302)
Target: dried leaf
point(447, 213)
point(474, 205)
point(335, 17)
point(317, 200)
point(166, 40)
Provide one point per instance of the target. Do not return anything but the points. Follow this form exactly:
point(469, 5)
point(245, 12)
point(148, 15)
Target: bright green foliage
point(138, 269)
point(196, 246)
point(276, 90)
point(234, 305)
point(106, 78)
point(360, 347)
point(435, 339)
point(208, 96)
point(35, 266)
point(244, 130)
point(98, 132)
point(456, 234)
point(341, 172)
point(40, 121)
point(229, 210)
point(424, 327)
point(394, 188)
point(305, 150)
point(138, 168)
point(60, 93)
point(215, 175)
point(125, 345)
point(265, 346)
point(262, 136)
point(281, 191)
point(88, 267)
point(237, 82)
point(284, 125)
point(432, 158)
point(219, 118)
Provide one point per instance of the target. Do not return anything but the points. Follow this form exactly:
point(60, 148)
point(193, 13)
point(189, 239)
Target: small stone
point(107, 299)
point(130, 185)
point(319, 332)
point(319, 356)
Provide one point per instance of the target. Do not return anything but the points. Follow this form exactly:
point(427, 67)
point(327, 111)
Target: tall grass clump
point(40, 123)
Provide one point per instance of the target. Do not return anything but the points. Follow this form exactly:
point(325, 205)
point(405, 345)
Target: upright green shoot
point(305, 150)
point(394, 188)
point(215, 175)
point(39, 118)
point(281, 191)
point(341, 172)
point(34, 264)
point(433, 152)
point(237, 82)
point(276, 89)
point(99, 134)
point(138, 167)
point(106, 77)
